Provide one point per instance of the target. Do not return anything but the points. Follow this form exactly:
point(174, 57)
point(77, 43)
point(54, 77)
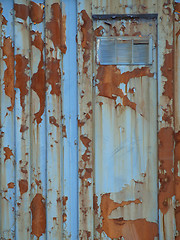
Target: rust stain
point(57, 27)
point(81, 123)
point(11, 185)
point(166, 9)
point(36, 12)
point(85, 140)
point(166, 190)
point(87, 38)
point(21, 11)
point(23, 170)
point(110, 78)
point(21, 77)
point(177, 7)
point(54, 75)
point(127, 102)
point(23, 128)
point(8, 53)
point(7, 153)
point(98, 31)
point(129, 229)
point(38, 78)
point(95, 203)
point(125, 203)
point(4, 21)
point(38, 210)
point(177, 179)
point(167, 72)
point(53, 121)
point(64, 217)
point(23, 186)
point(64, 131)
point(64, 200)
point(38, 182)
point(85, 173)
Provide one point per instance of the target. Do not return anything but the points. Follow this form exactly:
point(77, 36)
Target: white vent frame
point(147, 39)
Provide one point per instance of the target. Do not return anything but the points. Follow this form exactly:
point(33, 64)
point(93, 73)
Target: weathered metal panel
point(95, 175)
point(125, 140)
point(7, 167)
point(22, 122)
point(54, 116)
point(165, 120)
point(70, 103)
point(177, 113)
point(39, 192)
point(85, 120)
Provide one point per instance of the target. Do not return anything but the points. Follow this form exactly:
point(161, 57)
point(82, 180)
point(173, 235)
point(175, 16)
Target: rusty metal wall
point(87, 151)
point(38, 173)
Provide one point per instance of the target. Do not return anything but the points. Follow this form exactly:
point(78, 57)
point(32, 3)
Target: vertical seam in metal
point(14, 121)
point(77, 146)
point(30, 92)
point(77, 132)
point(157, 70)
point(174, 113)
point(46, 180)
point(45, 112)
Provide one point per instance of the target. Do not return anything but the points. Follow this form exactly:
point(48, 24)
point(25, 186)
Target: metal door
point(125, 128)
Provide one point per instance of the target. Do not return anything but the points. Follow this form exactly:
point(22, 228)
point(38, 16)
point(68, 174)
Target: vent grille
point(129, 51)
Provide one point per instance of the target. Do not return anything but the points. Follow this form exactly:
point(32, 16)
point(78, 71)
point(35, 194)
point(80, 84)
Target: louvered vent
point(124, 51)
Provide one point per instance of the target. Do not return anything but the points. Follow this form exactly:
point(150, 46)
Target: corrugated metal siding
point(84, 153)
point(38, 120)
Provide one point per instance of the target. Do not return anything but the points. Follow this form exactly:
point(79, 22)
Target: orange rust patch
point(85, 173)
point(23, 186)
point(110, 78)
point(38, 78)
point(167, 72)
point(87, 38)
point(4, 21)
point(64, 217)
point(38, 182)
point(85, 140)
point(64, 200)
point(11, 185)
point(57, 27)
point(80, 123)
point(166, 190)
point(98, 31)
point(64, 131)
point(21, 77)
point(23, 128)
point(53, 121)
point(21, 11)
point(7, 153)
point(127, 102)
point(36, 12)
point(177, 7)
point(38, 210)
point(54, 75)
point(95, 203)
point(8, 53)
point(23, 170)
point(129, 229)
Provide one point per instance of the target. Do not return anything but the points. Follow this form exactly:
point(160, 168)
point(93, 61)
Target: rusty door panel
point(125, 140)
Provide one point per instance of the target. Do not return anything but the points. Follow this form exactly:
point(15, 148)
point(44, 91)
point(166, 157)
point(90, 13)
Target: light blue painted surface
point(70, 112)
